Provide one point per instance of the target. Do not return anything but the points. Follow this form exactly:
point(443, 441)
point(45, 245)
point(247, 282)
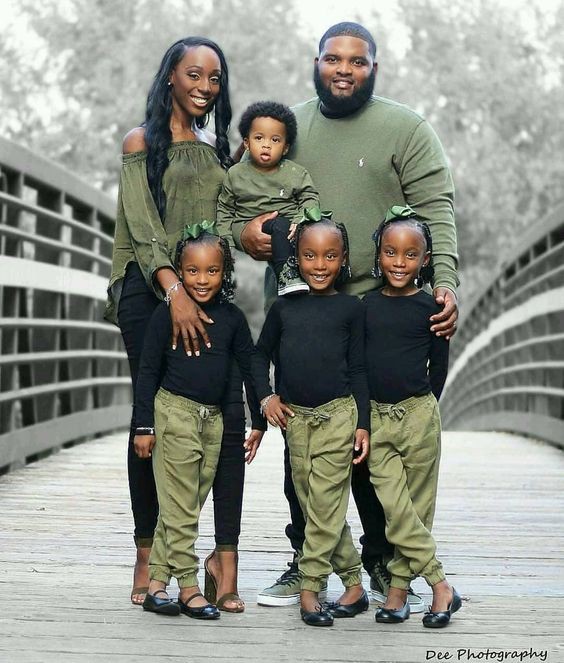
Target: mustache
point(343, 105)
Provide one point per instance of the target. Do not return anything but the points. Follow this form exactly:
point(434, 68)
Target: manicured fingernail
point(212, 322)
point(197, 353)
point(208, 345)
point(189, 353)
point(174, 347)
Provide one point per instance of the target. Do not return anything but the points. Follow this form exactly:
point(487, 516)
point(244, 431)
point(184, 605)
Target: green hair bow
point(194, 230)
point(314, 214)
point(399, 212)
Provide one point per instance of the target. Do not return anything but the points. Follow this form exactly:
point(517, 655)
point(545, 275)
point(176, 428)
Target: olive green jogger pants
point(320, 442)
point(405, 449)
point(185, 459)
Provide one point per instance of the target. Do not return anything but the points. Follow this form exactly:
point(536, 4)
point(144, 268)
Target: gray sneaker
point(286, 590)
point(290, 282)
point(380, 584)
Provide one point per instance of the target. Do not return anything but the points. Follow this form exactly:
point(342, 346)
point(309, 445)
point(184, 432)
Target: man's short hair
point(349, 29)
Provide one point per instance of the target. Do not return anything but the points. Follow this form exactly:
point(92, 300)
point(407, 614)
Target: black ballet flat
point(208, 611)
point(389, 616)
point(441, 619)
point(153, 603)
point(339, 610)
point(318, 617)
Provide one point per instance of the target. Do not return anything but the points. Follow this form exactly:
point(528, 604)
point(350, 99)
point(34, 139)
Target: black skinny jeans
point(136, 306)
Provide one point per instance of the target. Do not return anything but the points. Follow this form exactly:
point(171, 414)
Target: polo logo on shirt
point(361, 162)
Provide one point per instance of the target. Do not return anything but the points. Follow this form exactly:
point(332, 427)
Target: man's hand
point(256, 243)
point(144, 445)
point(361, 445)
point(251, 445)
point(444, 323)
point(275, 412)
point(188, 322)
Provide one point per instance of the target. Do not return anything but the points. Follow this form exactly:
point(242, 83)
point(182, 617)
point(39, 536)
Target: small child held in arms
point(407, 367)
point(318, 342)
point(268, 182)
point(179, 417)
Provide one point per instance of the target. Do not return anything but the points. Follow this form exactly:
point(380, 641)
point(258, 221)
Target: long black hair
point(228, 285)
point(158, 136)
point(427, 273)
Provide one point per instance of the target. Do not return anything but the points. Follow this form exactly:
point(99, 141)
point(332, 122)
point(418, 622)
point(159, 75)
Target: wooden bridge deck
point(66, 550)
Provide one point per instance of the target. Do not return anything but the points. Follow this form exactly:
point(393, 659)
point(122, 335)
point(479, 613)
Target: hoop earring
point(377, 270)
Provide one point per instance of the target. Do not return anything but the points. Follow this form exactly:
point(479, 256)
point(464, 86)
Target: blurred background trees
point(75, 73)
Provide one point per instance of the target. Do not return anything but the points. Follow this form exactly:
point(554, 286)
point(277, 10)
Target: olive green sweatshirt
point(248, 191)
point(384, 154)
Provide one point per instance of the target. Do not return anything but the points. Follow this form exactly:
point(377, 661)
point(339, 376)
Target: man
point(365, 154)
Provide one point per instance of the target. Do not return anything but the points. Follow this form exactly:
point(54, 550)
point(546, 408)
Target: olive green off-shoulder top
point(191, 183)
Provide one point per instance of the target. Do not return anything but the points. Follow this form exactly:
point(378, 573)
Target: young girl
point(268, 182)
point(180, 423)
point(407, 368)
point(318, 339)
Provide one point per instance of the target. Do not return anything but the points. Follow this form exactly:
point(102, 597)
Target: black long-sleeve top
point(318, 341)
point(403, 357)
point(204, 379)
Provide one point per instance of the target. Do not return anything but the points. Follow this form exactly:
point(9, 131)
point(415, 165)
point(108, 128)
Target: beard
point(341, 106)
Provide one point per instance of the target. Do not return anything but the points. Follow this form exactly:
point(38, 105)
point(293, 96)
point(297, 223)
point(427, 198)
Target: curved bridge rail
point(63, 372)
point(507, 361)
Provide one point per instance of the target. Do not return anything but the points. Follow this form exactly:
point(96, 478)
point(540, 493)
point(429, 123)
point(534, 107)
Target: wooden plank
point(66, 551)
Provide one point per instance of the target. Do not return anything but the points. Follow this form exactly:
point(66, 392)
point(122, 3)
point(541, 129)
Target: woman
point(171, 175)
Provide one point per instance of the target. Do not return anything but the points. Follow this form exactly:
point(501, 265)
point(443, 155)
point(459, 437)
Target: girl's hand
point(144, 445)
point(292, 232)
point(361, 445)
point(251, 445)
point(275, 412)
point(188, 322)
point(444, 323)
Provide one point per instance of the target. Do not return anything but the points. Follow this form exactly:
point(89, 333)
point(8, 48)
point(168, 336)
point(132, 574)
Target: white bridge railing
point(507, 362)
point(63, 373)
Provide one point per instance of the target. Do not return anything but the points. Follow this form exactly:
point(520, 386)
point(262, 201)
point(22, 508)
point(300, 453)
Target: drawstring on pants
point(203, 414)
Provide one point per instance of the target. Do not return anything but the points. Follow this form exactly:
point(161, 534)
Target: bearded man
point(365, 153)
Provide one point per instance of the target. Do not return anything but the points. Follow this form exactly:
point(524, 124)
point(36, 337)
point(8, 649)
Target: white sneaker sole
point(277, 601)
point(416, 603)
point(291, 289)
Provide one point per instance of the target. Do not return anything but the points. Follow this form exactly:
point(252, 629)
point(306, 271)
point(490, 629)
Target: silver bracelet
point(170, 290)
point(145, 430)
point(264, 403)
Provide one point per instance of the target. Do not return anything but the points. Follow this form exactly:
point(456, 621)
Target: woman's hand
point(275, 411)
point(143, 445)
point(251, 445)
point(188, 322)
point(256, 243)
point(361, 445)
point(444, 323)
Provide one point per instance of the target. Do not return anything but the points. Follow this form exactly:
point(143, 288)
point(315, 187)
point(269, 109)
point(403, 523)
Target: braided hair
point(345, 273)
point(228, 285)
point(158, 136)
point(427, 273)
